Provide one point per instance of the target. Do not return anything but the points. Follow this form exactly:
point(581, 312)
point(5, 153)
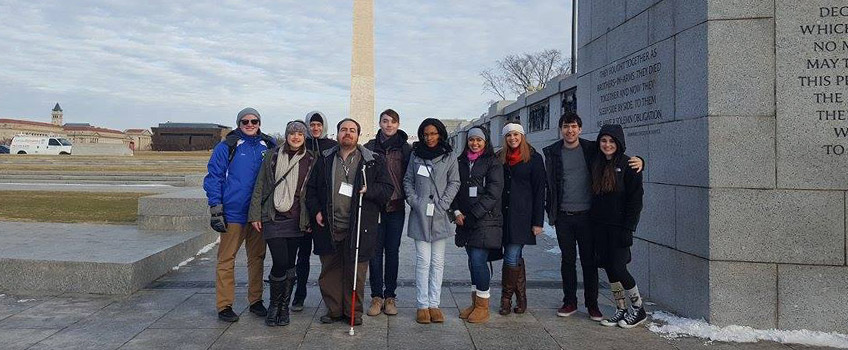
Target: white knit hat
point(513, 127)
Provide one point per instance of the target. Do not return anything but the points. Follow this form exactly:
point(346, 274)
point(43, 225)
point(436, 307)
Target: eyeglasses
point(250, 121)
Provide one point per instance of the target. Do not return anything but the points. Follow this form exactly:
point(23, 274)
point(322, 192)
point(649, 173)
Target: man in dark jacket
point(317, 141)
point(333, 203)
point(233, 167)
point(391, 143)
point(569, 198)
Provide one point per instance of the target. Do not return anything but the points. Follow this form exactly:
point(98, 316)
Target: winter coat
point(553, 165)
point(320, 194)
point(621, 208)
point(420, 191)
point(397, 157)
point(523, 200)
point(483, 219)
point(322, 143)
point(262, 201)
point(231, 182)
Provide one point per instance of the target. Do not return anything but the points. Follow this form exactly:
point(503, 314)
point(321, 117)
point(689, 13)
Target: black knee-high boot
point(285, 299)
point(277, 289)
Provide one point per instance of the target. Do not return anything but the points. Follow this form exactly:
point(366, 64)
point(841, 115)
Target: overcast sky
point(133, 64)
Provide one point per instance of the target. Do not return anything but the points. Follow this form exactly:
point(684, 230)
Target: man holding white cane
point(334, 207)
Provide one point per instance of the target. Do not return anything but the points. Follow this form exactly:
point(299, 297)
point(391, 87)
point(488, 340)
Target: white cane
point(356, 255)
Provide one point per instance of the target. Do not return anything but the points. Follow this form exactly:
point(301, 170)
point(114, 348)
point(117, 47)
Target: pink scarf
point(472, 156)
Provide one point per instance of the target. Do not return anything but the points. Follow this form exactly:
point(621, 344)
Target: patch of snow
point(555, 251)
point(675, 326)
point(549, 230)
point(202, 251)
point(25, 300)
point(2, 295)
point(204, 259)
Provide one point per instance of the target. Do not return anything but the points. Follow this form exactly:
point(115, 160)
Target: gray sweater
point(420, 191)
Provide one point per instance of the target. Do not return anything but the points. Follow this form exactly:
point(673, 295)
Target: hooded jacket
point(396, 153)
point(622, 207)
point(483, 218)
point(319, 196)
point(322, 143)
point(231, 183)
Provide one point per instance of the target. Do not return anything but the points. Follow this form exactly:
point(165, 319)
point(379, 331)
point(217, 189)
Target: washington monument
point(362, 68)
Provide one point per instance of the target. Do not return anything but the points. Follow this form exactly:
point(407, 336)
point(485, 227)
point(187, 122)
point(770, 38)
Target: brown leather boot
point(467, 311)
point(481, 311)
point(422, 316)
point(436, 315)
point(507, 289)
point(520, 288)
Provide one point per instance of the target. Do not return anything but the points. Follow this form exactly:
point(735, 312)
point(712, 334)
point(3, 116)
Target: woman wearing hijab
point(616, 207)
point(430, 183)
point(479, 222)
point(523, 210)
point(278, 211)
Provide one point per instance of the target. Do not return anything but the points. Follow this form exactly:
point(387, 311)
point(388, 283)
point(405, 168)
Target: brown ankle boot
point(481, 311)
point(520, 288)
point(422, 316)
point(508, 288)
point(436, 315)
point(467, 311)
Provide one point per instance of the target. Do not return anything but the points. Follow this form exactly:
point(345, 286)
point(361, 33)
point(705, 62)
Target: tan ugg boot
point(422, 316)
point(481, 311)
point(436, 315)
point(467, 311)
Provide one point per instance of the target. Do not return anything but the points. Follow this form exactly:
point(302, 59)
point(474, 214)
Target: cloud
point(154, 61)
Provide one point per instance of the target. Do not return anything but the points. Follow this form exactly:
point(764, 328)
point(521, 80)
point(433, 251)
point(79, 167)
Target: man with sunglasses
point(229, 184)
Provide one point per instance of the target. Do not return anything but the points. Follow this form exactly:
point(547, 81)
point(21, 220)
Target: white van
point(27, 144)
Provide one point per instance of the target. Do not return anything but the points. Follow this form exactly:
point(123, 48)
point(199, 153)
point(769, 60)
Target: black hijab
point(442, 148)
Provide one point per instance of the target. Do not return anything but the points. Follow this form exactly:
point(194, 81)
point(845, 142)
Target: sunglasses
point(250, 121)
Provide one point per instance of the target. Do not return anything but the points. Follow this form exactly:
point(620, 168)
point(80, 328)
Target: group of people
point(347, 202)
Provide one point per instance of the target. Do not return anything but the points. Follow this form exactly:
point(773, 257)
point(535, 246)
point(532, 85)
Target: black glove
point(217, 220)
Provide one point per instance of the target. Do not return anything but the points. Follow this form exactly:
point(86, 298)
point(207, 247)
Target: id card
point(346, 189)
point(431, 209)
point(472, 192)
point(423, 171)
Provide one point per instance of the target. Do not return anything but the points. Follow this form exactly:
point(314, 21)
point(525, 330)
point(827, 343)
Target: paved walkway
point(177, 311)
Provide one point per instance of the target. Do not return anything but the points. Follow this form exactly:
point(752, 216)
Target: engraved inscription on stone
point(812, 93)
point(636, 90)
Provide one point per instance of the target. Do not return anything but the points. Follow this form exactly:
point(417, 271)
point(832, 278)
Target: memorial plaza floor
point(177, 312)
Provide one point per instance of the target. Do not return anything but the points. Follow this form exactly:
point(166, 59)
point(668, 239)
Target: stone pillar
point(740, 111)
point(362, 68)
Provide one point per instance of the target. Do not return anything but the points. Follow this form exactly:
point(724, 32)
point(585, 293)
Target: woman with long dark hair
point(523, 210)
point(278, 211)
point(616, 206)
point(477, 208)
point(430, 183)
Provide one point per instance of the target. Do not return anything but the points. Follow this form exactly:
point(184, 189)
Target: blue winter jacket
point(231, 183)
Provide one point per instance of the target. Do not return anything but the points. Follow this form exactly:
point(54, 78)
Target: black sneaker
point(297, 305)
point(635, 316)
point(258, 309)
point(615, 318)
point(227, 315)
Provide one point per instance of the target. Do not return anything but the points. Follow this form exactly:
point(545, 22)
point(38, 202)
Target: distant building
point(141, 139)
point(187, 136)
point(454, 124)
point(11, 127)
point(86, 133)
point(77, 133)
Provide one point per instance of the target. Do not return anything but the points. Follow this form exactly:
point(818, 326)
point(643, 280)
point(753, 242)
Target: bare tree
point(527, 72)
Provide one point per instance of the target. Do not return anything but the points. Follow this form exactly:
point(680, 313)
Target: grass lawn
point(88, 207)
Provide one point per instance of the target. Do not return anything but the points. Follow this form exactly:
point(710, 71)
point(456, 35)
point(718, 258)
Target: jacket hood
point(234, 136)
point(616, 132)
point(323, 121)
point(404, 137)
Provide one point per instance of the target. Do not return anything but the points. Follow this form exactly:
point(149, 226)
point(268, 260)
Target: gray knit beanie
point(245, 112)
point(475, 132)
point(296, 126)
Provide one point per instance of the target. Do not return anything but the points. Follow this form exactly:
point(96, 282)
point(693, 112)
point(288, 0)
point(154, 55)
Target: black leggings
point(283, 254)
point(616, 267)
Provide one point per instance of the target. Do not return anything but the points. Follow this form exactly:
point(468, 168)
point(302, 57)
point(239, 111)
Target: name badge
point(346, 189)
point(423, 171)
point(472, 192)
point(431, 209)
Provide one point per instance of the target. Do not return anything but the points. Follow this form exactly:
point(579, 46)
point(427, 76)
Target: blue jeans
point(512, 254)
point(389, 232)
point(480, 275)
point(429, 269)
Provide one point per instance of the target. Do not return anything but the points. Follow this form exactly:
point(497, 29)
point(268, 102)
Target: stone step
point(83, 258)
point(176, 211)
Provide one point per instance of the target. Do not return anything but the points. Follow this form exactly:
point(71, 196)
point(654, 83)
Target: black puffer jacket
point(523, 200)
point(483, 218)
point(622, 207)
